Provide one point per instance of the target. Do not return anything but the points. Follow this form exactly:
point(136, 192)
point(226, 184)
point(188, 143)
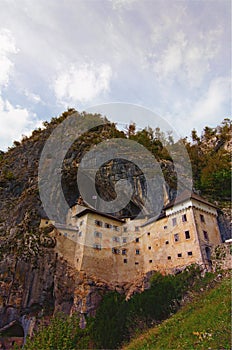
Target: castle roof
point(187, 195)
point(93, 211)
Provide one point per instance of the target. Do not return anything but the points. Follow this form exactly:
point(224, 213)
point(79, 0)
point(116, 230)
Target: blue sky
point(172, 57)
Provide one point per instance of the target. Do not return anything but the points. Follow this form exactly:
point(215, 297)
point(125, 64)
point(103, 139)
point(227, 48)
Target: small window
point(116, 239)
point(149, 248)
point(184, 218)
point(136, 240)
point(123, 251)
point(125, 261)
point(174, 222)
point(167, 242)
point(137, 251)
point(169, 258)
point(46, 222)
point(190, 253)
point(124, 239)
point(125, 229)
point(115, 251)
point(202, 218)
point(116, 228)
point(65, 234)
point(206, 237)
point(108, 225)
point(150, 261)
point(97, 234)
point(97, 246)
point(176, 237)
point(148, 233)
point(136, 228)
point(136, 263)
point(80, 234)
point(98, 223)
point(165, 227)
point(179, 255)
point(187, 234)
point(81, 223)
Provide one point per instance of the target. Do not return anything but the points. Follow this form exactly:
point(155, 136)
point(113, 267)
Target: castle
point(120, 250)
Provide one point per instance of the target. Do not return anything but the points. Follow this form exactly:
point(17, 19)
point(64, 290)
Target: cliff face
point(33, 281)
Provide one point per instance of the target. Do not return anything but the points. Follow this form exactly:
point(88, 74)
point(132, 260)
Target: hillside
point(204, 323)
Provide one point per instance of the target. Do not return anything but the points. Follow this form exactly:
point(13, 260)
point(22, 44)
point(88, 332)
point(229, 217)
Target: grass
point(204, 323)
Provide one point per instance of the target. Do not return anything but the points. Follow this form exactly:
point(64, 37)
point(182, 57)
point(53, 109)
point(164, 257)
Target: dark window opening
point(136, 263)
point(176, 237)
point(115, 251)
point(202, 218)
point(108, 225)
point(165, 227)
point(169, 258)
point(137, 240)
point(125, 261)
point(150, 261)
point(184, 218)
point(98, 223)
point(125, 229)
point(136, 228)
point(190, 253)
point(124, 240)
point(149, 248)
point(97, 246)
point(137, 252)
point(167, 242)
point(187, 234)
point(179, 255)
point(123, 251)
point(148, 233)
point(206, 235)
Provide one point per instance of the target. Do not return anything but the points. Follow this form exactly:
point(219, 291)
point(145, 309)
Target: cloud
point(14, 121)
point(210, 105)
point(82, 83)
point(7, 47)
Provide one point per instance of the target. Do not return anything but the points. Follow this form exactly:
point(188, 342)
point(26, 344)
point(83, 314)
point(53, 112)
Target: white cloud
point(210, 106)
point(82, 83)
point(32, 97)
point(7, 47)
point(15, 121)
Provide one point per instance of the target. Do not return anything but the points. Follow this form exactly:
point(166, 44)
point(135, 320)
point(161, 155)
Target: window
point(187, 234)
point(149, 248)
point(202, 218)
point(108, 225)
point(174, 222)
point(167, 242)
point(125, 261)
point(150, 261)
point(125, 229)
point(116, 239)
point(136, 263)
point(136, 228)
point(98, 223)
point(115, 228)
point(123, 251)
point(97, 234)
point(136, 240)
point(184, 218)
point(137, 251)
point(165, 227)
point(179, 255)
point(65, 234)
point(148, 233)
point(190, 253)
point(169, 258)
point(46, 222)
point(176, 237)
point(206, 235)
point(124, 239)
point(80, 234)
point(81, 223)
point(115, 251)
point(97, 246)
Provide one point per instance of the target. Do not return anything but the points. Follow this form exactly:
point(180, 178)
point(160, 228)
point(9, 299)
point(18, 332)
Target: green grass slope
point(205, 323)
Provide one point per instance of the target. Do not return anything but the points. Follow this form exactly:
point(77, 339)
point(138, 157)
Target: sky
point(171, 57)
